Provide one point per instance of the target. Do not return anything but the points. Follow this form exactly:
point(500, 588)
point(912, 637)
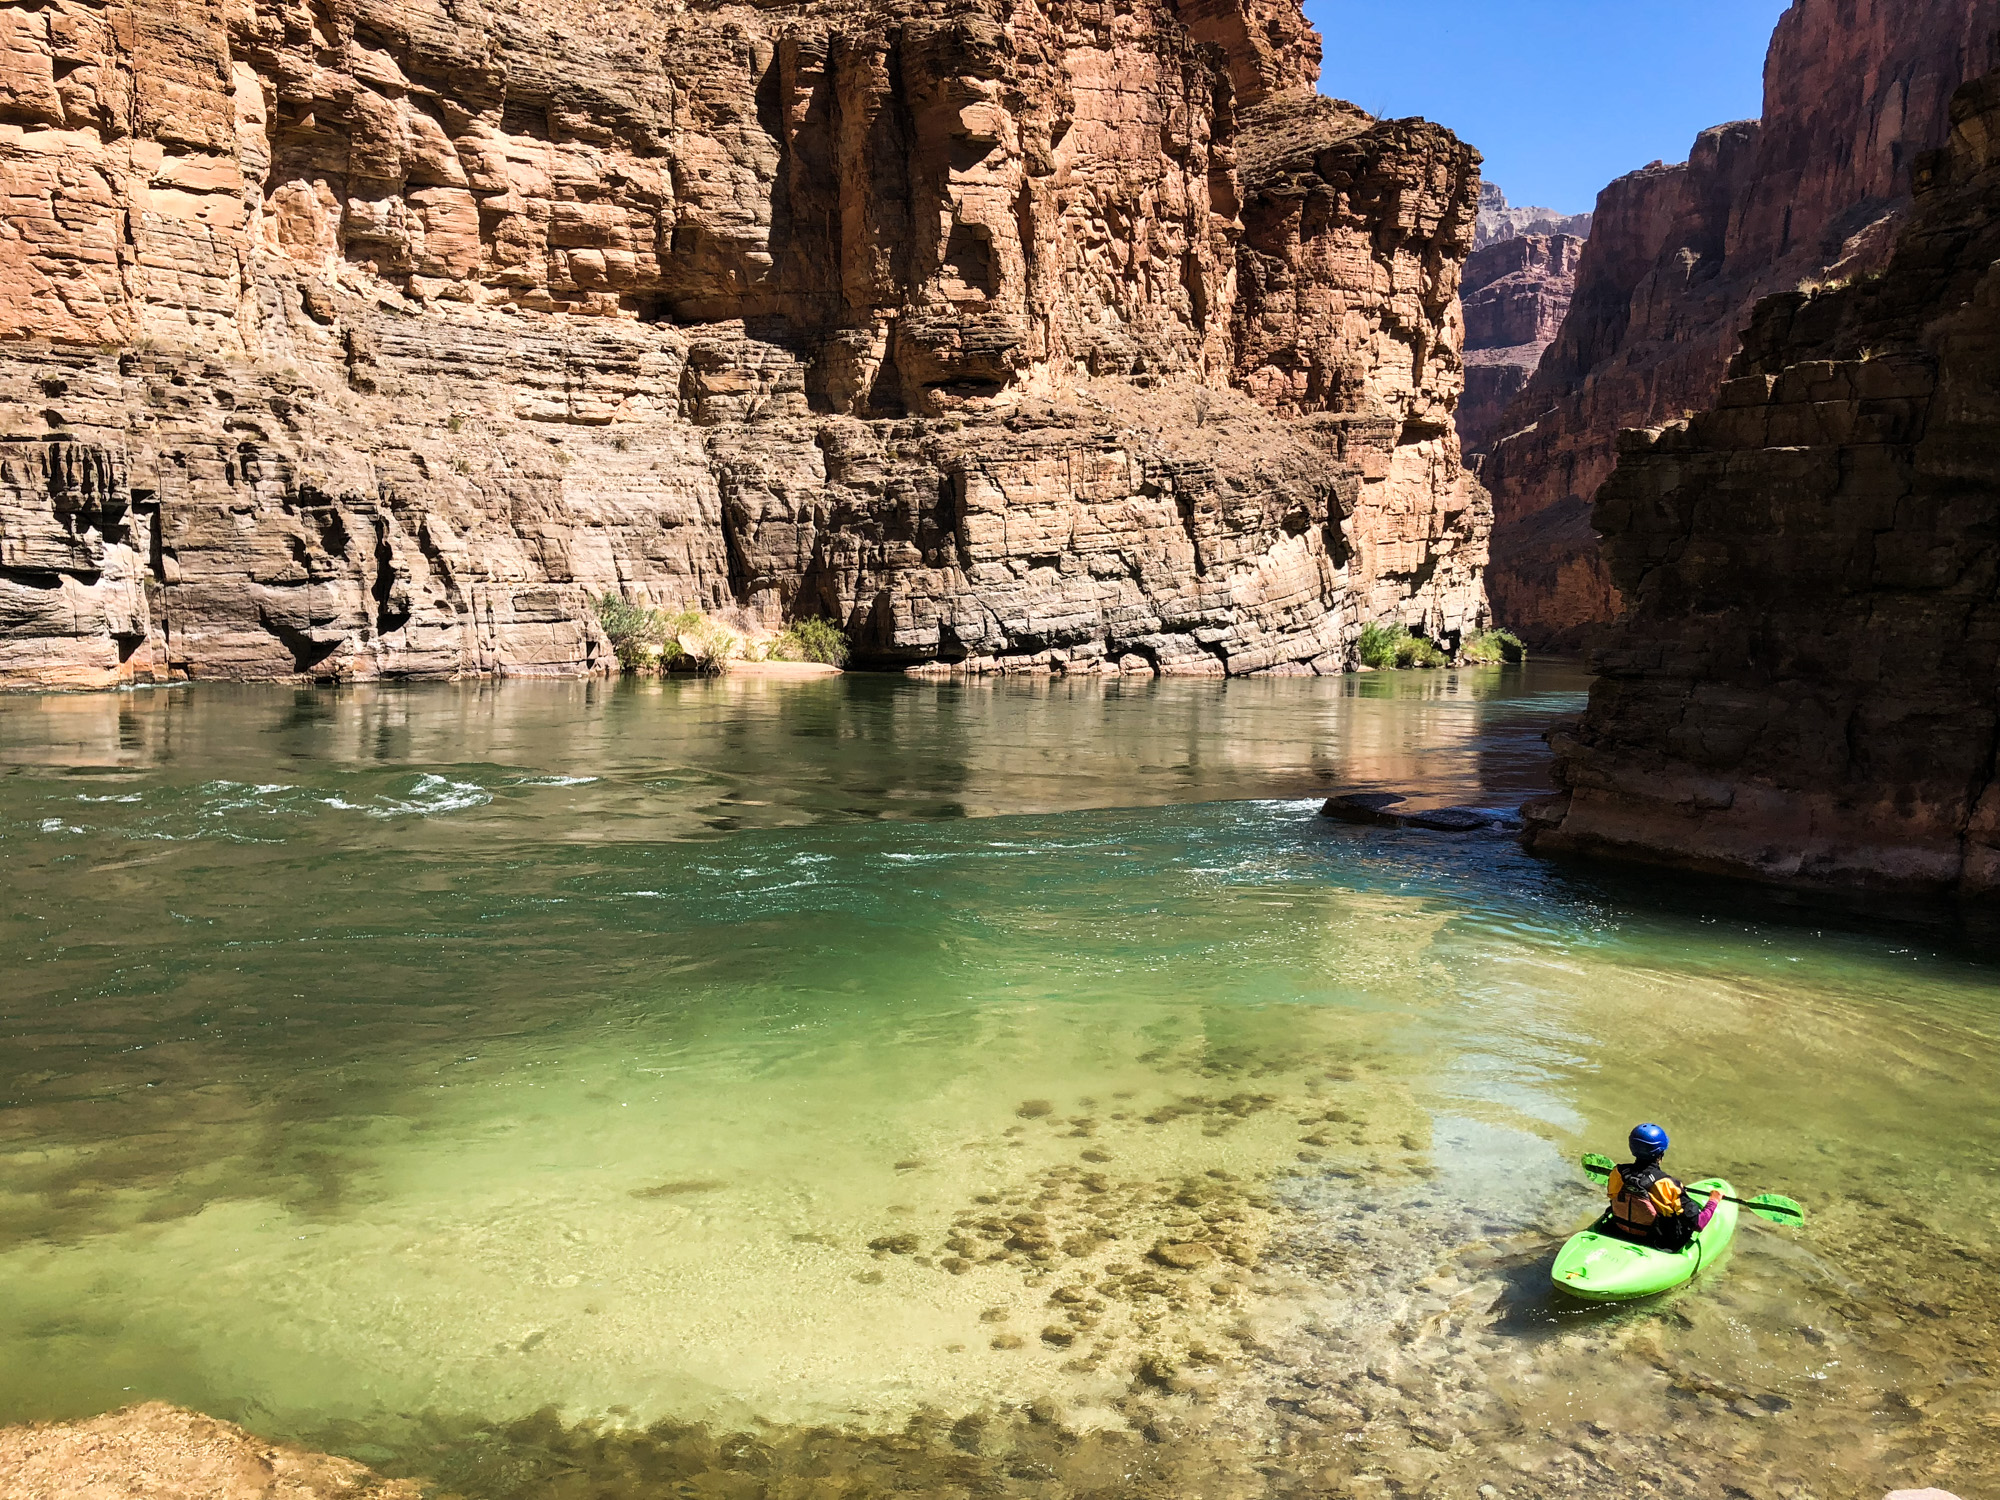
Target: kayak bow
point(1601, 1267)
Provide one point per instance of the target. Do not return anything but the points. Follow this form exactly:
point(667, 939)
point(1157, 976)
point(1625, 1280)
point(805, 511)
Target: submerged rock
point(162, 1452)
point(1372, 809)
point(1184, 1257)
point(1450, 820)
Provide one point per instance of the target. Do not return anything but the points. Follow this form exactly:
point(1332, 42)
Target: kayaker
point(1649, 1206)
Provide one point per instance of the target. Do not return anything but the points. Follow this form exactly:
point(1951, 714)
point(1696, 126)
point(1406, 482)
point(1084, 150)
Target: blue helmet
point(1648, 1142)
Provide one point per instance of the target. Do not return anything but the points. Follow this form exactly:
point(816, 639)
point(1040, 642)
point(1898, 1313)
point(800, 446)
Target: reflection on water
point(1022, 1079)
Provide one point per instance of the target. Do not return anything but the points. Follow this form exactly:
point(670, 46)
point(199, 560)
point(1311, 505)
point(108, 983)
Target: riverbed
point(951, 1086)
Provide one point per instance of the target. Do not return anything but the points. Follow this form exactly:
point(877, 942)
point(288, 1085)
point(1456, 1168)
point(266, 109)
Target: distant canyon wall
point(1855, 91)
point(358, 339)
point(1516, 293)
point(1500, 220)
point(1805, 687)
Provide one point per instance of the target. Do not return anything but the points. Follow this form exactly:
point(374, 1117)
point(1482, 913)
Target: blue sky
point(1561, 95)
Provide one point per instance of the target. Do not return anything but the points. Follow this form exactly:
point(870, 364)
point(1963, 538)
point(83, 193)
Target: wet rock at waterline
point(1376, 810)
point(1365, 807)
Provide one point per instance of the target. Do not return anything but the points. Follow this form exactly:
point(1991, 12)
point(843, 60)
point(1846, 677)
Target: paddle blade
point(1599, 1166)
point(1776, 1207)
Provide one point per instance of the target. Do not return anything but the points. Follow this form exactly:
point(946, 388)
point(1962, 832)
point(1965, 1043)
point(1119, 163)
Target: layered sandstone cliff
point(1516, 292)
point(1806, 684)
point(1678, 255)
point(370, 338)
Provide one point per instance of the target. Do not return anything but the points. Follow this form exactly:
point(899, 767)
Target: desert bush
point(1386, 646)
point(706, 645)
point(1377, 646)
point(1415, 651)
point(1488, 646)
point(811, 640)
point(645, 640)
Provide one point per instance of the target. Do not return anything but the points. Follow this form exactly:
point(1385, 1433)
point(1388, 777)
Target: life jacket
point(1645, 1202)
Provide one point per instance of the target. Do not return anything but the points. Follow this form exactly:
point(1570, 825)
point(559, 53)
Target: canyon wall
point(1805, 687)
point(1516, 292)
point(1499, 220)
point(346, 338)
point(1678, 255)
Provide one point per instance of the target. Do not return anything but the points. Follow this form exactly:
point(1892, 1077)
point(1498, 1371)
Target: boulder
point(162, 1452)
point(1364, 807)
point(1373, 809)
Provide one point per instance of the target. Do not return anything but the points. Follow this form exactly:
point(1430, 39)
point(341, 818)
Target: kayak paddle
point(1773, 1206)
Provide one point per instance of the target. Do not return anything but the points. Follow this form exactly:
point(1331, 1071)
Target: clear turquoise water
point(479, 1049)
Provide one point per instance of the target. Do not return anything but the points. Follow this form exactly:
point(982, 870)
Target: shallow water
point(382, 1066)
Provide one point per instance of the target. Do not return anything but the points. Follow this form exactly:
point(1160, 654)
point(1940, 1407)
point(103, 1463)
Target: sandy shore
point(782, 669)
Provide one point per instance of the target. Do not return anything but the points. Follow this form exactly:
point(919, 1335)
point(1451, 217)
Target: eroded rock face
point(1499, 220)
point(1516, 292)
point(376, 339)
point(1678, 256)
point(162, 1452)
point(1806, 685)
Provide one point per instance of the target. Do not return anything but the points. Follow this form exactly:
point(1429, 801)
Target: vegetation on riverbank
point(810, 640)
point(686, 640)
point(1385, 647)
point(1485, 647)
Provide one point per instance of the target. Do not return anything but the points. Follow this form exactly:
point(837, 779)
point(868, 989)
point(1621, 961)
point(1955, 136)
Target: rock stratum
point(1678, 256)
point(1805, 687)
point(358, 339)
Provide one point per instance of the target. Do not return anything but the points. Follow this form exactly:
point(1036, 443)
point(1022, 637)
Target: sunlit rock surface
point(160, 1452)
point(1500, 220)
point(375, 340)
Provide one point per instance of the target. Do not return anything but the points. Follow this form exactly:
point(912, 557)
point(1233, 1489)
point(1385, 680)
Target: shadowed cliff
point(1854, 91)
point(1805, 687)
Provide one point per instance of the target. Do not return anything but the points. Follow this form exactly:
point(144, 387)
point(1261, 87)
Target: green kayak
point(1606, 1268)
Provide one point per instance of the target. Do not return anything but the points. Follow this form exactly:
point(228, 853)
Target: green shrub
point(1378, 644)
point(811, 640)
point(1385, 646)
point(1487, 646)
point(705, 645)
point(1415, 651)
point(644, 640)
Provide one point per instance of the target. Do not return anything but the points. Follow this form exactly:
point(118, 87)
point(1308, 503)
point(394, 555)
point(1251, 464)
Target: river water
point(866, 1085)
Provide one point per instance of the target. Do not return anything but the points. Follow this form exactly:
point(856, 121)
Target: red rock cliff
point(1805, 687)
point(1677, 257)
point(1516, 293)
point(365, 338)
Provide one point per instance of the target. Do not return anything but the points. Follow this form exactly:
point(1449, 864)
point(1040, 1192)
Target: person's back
point(1649, 1206)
